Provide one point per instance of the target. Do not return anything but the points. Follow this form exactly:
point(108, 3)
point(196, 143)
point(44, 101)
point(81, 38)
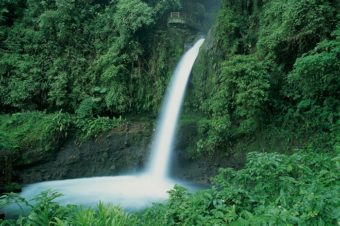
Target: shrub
point(33, 131)
point(94, 127)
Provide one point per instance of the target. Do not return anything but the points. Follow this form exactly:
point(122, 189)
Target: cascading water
point(164, 137)
point(131, 191)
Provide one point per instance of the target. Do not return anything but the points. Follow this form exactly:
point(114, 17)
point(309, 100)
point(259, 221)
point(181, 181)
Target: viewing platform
point(183, 19)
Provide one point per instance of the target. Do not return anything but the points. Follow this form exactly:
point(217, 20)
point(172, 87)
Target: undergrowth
point(272, 189)
point(33, 130)
point(42, 132)
point(94, 127)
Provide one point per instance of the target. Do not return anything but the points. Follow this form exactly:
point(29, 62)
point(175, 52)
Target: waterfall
point(163, 140)
point(132, 192)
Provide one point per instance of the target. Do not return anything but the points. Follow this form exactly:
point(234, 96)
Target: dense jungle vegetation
point(266, 84)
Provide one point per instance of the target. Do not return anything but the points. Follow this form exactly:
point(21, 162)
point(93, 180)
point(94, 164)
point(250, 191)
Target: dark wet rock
point(115, 153)
point(123, 150)
point(199, 169)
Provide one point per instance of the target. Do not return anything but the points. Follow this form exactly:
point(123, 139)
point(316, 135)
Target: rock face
point(120, 151)
point(201, 168)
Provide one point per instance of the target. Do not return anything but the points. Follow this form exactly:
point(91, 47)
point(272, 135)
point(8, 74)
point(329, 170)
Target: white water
point(165, 133)
point(131, 192)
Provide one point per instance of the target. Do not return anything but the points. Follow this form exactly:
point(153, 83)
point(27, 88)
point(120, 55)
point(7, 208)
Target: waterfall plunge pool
point(131, 192)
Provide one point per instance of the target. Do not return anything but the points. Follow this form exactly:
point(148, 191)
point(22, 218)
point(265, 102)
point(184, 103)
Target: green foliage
point(42, 133)
point(33, 131)
point(32, 137)
point(246, 83)
point(169, 46)
point(18, 81)
point(94, 127)
point(104, 215)
point(46, 211)
point(236, 104)
point(268, 79)
point(43, 212)
point(314, 85)
point(290, 29)
point(268, 64)
point(297, 189)
point(272, 189)
point(55, 54)
point(85, 109)
point(132, 15)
